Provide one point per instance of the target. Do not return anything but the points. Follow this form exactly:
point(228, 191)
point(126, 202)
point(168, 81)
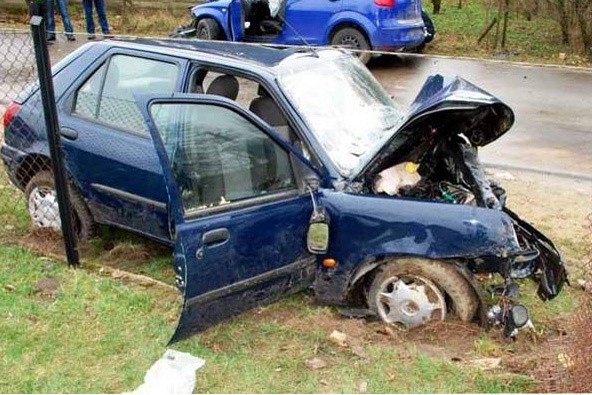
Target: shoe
point(91, 37)
point(70, 37)
point(51, 38)
point(108, 35)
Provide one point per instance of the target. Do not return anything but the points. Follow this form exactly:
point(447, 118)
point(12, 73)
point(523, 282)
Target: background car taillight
point(385, 3)
point(12, 109)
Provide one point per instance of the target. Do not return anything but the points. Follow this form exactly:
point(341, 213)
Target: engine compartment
point(440, 164)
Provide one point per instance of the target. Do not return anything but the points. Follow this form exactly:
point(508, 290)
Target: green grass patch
point(537, 40)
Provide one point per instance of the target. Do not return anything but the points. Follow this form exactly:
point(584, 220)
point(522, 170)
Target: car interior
point(259, 18)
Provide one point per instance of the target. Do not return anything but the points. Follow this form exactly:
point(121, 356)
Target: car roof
point(258, 55)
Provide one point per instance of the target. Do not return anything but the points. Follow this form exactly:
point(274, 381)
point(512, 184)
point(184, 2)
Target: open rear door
point(238, 213)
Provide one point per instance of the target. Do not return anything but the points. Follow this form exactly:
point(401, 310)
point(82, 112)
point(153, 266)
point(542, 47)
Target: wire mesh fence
point(18, 75)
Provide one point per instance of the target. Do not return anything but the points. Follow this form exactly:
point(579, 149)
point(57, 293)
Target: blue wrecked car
point(271, 171)
point(381, 25)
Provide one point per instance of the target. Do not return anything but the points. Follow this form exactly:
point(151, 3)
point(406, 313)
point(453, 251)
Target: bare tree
point(583, 12)
point(563, 17)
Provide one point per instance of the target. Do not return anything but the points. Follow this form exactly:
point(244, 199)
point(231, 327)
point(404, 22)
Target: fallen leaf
point(360, 352)
point(315, 363)
point(323, 382)
point(338, 338)
point(363, 387)
point(9, 287)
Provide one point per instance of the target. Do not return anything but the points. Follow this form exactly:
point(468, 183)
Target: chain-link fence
point(18, 74)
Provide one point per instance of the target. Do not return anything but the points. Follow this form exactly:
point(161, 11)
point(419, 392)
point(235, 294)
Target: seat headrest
point(224, 85)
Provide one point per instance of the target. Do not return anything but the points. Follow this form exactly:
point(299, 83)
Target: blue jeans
point(88, 16)
point(63, 9)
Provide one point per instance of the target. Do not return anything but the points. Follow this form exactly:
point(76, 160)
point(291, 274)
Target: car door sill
point(253, 281)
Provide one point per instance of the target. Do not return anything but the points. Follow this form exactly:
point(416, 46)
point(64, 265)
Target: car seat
point(266, 109)
point(224, 85)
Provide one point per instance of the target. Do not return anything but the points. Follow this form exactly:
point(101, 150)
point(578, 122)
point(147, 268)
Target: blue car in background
point(382, 25)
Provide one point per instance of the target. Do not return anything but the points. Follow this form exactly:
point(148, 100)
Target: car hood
point(453, 105)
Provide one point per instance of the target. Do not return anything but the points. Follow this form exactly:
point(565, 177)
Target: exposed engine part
point(391, 180)
point(475, 172)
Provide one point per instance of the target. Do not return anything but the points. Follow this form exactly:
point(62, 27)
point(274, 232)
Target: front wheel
point(42, 205)
point(354, 39)
point(208, 29)
point(416, 291)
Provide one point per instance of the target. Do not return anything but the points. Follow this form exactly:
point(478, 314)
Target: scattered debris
point(503, 175)
point(339, 338)
point(315, 363)
point(562, 56)
point(47, 287)
point(584, 285)
point(9, 288)
point(9, 227)
point(486, 363)
point(351, 312)
point(173, 373)
point(135, 278)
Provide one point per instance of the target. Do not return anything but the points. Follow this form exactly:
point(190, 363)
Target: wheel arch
point(216, 15)
point(363, 276)
point(29, 166)
point(352, 20)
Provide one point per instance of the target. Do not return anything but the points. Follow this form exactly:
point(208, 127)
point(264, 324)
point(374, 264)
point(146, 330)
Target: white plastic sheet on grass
point(173, 373)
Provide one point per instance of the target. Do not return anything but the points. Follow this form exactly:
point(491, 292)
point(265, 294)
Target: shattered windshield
point(346, 109)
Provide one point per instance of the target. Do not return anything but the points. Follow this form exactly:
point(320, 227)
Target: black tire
point(445, 276)
point(355, 39)
point(43, 183)
point(208, 29)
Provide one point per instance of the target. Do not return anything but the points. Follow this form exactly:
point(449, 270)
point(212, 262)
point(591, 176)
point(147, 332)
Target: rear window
point(108, 95)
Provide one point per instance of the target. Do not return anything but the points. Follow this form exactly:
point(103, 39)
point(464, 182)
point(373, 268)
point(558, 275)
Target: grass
point(538, 40)
point(94, 334)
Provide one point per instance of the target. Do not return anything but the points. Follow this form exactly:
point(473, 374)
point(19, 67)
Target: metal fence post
point(52, 125)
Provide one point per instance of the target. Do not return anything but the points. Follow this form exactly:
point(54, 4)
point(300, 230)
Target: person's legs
point(100, 5)
point(63, 9)
point(88, 17)
point(50, 20)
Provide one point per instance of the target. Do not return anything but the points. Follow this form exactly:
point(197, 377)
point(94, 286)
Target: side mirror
point(318, 237)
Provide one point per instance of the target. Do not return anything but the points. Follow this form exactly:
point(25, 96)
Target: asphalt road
point(553, 106)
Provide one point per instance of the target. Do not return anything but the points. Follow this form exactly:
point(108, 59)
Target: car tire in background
point(414, 291)
point(42, 206)
point(208, 29)
point(352, 38)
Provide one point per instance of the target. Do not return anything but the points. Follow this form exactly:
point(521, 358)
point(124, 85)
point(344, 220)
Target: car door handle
point(69, 134)
point(216, 236)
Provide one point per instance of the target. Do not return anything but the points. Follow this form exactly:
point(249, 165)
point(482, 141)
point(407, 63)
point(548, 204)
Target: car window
point(218, 156)
point(108, 95)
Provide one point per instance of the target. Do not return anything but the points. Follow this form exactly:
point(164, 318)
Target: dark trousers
point(63, 9)
point(88, 15)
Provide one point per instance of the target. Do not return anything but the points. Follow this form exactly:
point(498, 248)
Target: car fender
point(219, 13)
point(367, 229)
point(352, 18)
